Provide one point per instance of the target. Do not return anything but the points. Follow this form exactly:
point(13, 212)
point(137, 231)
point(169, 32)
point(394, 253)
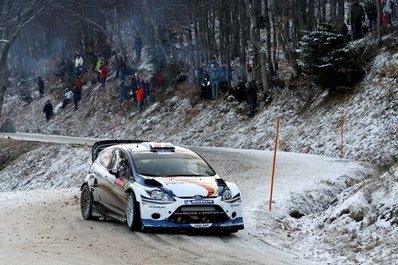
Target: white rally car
point(152, 185)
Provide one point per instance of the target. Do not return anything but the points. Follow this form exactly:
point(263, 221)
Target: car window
point(120, 163)
point(171, 164)
point(105, 157)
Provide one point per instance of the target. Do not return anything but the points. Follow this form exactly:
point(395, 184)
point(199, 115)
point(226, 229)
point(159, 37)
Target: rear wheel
point(133, 218)
point(86, 204)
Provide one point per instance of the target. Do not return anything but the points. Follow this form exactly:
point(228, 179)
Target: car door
point(116, 182)
point(100, 170)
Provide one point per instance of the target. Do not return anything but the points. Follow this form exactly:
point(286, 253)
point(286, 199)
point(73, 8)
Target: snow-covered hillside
point(310, 120)
point(347, 220)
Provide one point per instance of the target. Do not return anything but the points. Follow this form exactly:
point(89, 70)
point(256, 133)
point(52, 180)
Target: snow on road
point(46, 223)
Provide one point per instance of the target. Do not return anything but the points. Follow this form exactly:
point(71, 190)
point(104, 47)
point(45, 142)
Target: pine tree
point(329, 59)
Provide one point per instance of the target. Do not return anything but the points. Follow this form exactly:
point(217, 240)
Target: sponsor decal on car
point(201, 225)
point(206, 183)
point(156, 207)
point(190, 202)
point(120, 182)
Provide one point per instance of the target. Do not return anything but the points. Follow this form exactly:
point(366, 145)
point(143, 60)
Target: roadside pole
point(274, 161)
point(342, 123)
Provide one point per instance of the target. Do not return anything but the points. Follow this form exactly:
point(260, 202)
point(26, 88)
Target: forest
point(36, 34)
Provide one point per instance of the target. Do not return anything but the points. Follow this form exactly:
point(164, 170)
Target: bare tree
point(15, 15)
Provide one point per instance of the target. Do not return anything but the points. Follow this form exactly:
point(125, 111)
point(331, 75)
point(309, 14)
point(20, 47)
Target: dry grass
point(11, 150)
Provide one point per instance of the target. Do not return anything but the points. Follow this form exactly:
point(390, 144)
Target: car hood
point(190, 186)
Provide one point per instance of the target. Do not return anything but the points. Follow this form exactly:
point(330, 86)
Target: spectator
point(250, 73)
point(121, 69)
point(119, 65)
point(199, 72)
point(140, 98)
point(48, 110)
point(103, 73)
point(388, 11)
point(205, 85)
point(134, 86)
point(251, 97)
point(357, 17)
point(240, 91)
point(77, 92)
point(251, 92)
point(100, 62)
point(68, 96)
point(371, 13)
point(40, 84)
point(122, 91)
point(79, 64)
point(214, 73)
point(147, 87)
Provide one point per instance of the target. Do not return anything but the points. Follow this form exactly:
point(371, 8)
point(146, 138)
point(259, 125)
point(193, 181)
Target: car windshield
point(171, 164)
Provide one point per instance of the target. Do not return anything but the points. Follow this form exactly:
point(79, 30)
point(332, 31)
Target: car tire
point(133, 218)
point(86, 204)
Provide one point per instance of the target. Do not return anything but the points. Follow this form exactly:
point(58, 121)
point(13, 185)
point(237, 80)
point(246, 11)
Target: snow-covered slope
point(345, 220)
point(310, 120)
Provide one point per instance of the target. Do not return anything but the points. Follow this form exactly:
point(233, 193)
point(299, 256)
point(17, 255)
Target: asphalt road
point(45, 226)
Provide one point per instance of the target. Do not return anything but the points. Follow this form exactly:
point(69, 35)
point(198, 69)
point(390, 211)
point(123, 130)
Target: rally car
point(152, 185)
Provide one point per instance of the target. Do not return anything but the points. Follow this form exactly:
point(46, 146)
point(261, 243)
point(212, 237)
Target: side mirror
point(114, 172)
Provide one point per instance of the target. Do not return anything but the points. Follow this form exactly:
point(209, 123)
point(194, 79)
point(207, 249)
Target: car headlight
point(227, 194)
point(160, 196)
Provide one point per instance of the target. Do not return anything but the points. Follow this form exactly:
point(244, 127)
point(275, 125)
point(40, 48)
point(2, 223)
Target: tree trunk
point(333, 12)
point(267, 27)
point(243, 39)
point(340, 11)
point(164, 58)
point(311, 15)
point(256, 42)
point(3, 72)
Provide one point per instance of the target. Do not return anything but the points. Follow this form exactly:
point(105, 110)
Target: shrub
point(329, 60)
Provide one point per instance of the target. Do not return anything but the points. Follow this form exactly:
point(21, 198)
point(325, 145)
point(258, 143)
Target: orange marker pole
point(274, 161)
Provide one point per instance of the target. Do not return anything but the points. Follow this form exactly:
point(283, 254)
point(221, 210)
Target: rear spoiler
point(101, 145)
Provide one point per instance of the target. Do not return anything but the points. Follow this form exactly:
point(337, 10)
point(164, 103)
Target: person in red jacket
point(140, 97)
point(77, 91)
point(103, 73)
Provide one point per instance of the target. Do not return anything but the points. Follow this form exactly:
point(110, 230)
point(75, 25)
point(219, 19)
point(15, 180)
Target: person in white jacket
point(79, 65)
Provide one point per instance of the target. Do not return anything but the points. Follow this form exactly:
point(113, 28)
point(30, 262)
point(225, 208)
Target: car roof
point(136, 146)
point(152, 147)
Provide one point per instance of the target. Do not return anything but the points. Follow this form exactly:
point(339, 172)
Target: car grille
point(198, 214)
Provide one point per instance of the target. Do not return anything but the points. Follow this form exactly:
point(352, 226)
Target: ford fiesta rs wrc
point(153, 185)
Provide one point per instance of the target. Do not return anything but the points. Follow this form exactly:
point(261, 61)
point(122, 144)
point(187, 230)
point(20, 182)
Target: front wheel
point(133, 218)
point(86, 204)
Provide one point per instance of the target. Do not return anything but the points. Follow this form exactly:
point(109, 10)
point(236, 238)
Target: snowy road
point(45, 226)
